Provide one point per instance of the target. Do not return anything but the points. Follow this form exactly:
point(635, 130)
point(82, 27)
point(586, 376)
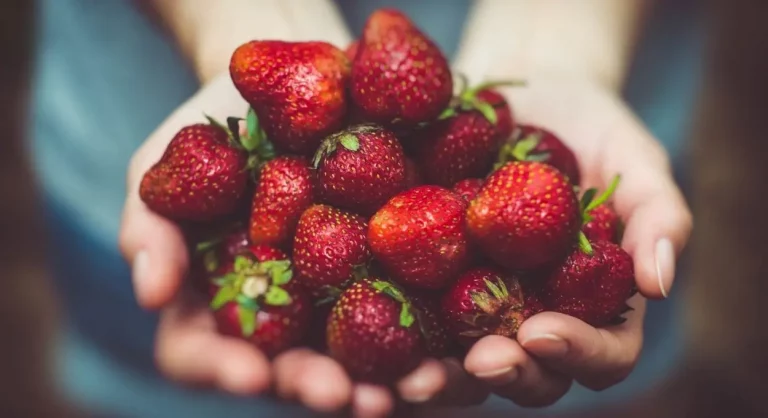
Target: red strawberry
point(604, 225)
point(468, 188)
point(591, 285)
point(256, 301)
point(351, 50)
point(329, 247)
point(399, 74)
point(485, 301)
point(202, 175)
point(525, 217)
point(360, 168)
point(413, 176)
point(433, 328)
point(599, 221)
point(373, 332)
point(532, 143)
point(418, 236)
point(212, 258)
point(466, 141)
point(296, 88)
point(284, 191)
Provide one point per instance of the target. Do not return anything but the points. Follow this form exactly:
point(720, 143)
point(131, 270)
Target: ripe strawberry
point(418, 236)
point(329, 247)
point(360, 168)
point(485, 301)
point(466, 141)
point(399, 74)
point(211, 258)
point(591, 285)
point(202, 175)
point(413, 176)
point(284, 191)
point(468, 188)
point(426, 306)
point(604, 225)
point(532, 143)
point(351, 50)
point(599, 221)
point(525, 217)
point(296, 88)
point(373, 332)
point(257, 302)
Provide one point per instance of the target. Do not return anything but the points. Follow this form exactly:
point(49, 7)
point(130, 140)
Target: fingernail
point(502, 376)
point(140, 270)
point(546, 345)
point(665, 265)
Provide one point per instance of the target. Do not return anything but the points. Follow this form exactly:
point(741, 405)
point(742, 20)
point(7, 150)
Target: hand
point(554, 349)
point(188, 348)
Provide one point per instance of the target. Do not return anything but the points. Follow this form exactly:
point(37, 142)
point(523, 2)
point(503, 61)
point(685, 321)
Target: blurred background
point(69, 350)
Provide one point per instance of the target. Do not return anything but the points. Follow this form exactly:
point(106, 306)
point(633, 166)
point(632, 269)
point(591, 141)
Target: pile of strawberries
point(368, 207)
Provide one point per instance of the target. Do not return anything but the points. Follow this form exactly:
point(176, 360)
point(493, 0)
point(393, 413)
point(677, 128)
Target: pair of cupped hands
point(551, 351)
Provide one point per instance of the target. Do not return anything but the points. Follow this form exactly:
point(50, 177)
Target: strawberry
point(373, 332)
point(465, 142)
point(418, 236)
point(329, 247)
point(257, 302)
point(211, 258)
point(413, 176)
point(202, 175)
point(525, 217)
point(603, 225)
point(485, 301)
point(426, 306)
point(468, 188)
point(296, 88)
point(532, 143)
point(399, 74)
point(360, 168)
point(599, 221)
point(284, 191)
point(591, 285)
point(351, 50)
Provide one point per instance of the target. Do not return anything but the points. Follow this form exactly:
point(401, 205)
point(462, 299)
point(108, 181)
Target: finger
point(657, 219)
point(501, 363)
point(370, 401)
point(189, 350)
point(315, 380)
point(596, 357)
point(461, 389)
point(156, 250)
point(423, 383)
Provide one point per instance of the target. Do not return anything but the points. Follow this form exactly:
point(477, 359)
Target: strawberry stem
point(605, 195)
point(584, 244)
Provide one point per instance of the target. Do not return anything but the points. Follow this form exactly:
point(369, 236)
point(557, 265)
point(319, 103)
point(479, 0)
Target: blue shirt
point(106, 77)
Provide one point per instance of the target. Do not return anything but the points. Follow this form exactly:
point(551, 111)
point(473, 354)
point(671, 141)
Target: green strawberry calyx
point(519, 148)
point(466, 100)
point(407, 318)
point(500, 310)
point(348, 139)
point(328, 293)
point(253, 284)
point(254, 141)
point(589, 201)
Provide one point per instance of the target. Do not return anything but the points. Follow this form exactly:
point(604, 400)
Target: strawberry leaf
point(406, 317)
point(584, 244)
point(277, 296)
point(495, 290)
point(483, 301)
point(224, 295)
point(282, 277)
point(210, 261)
point(350, 142)
point(488, 111)
point(249, 303)
point(587, 198)
point(242, 263)
point(599, 200)
point(390, 290)
point(218, 124)
point(447, 113)
point(523, 148)
point(247, 318)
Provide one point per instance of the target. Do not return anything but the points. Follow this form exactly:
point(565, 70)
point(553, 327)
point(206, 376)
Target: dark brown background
point(725, 371)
